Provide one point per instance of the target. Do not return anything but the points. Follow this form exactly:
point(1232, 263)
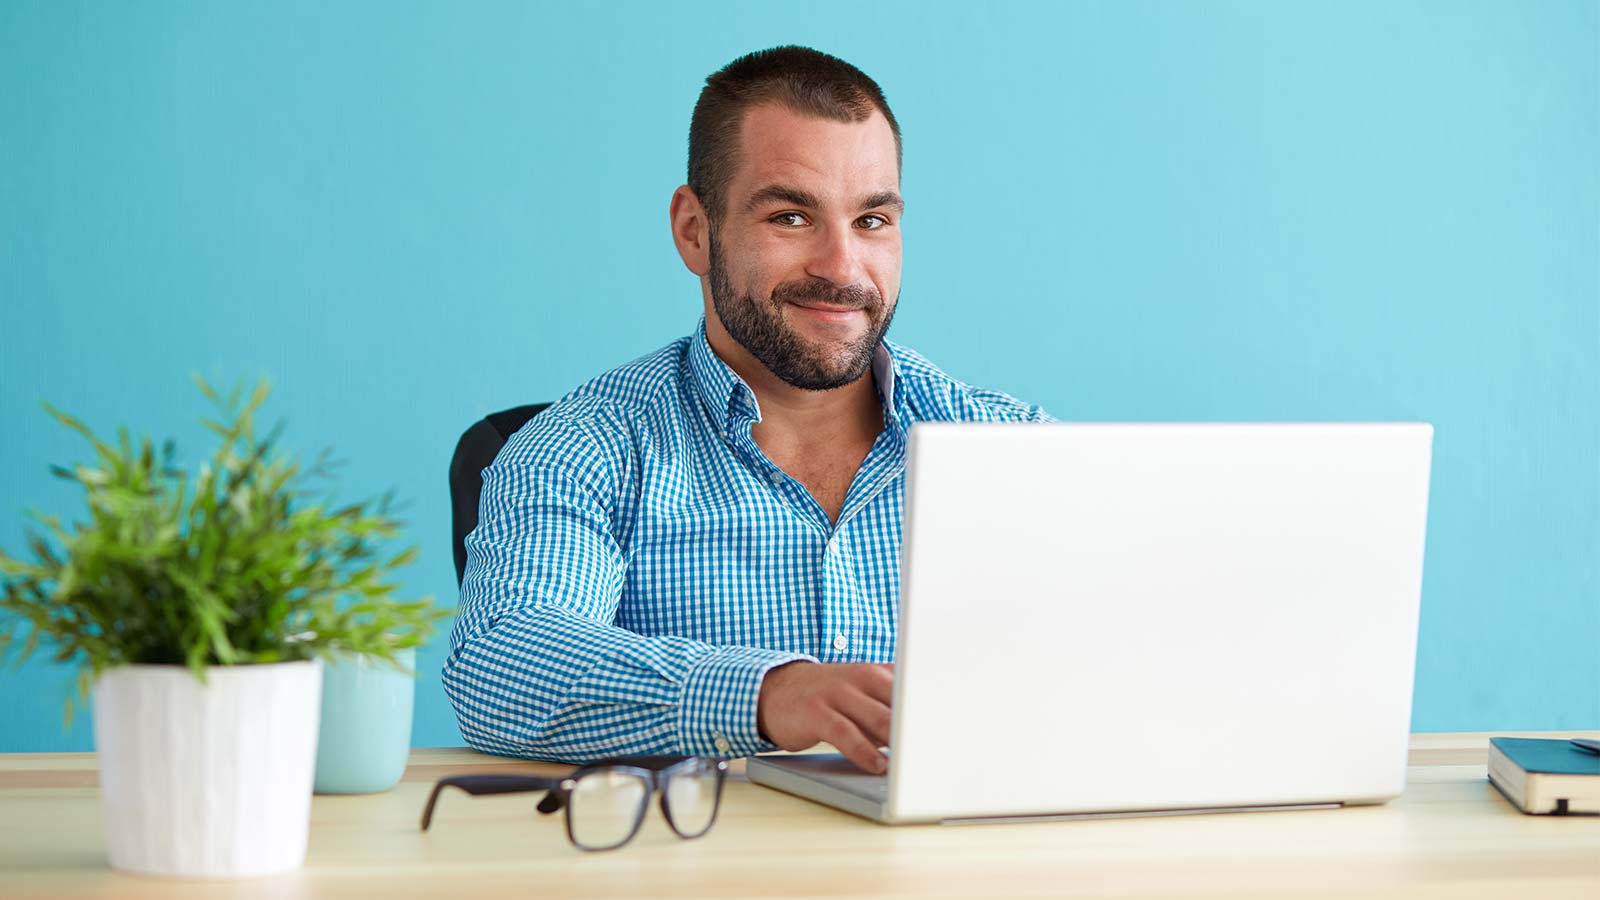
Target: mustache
point(818, 291)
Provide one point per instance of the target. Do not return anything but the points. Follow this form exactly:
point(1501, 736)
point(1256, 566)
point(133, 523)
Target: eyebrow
point(884, 199)
point(778, 193)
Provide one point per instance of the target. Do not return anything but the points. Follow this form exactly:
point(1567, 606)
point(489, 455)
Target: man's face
point(805, 259)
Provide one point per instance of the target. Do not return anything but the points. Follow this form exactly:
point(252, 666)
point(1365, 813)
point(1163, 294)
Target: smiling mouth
point(823, 308)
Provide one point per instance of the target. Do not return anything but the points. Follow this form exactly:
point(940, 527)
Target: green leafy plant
point(238, 563)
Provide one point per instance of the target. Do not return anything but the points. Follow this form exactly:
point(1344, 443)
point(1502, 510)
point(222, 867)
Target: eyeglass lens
point(605, 808)
point(690, 797)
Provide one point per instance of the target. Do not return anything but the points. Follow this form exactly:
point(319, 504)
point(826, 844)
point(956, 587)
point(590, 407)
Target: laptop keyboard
point(832, 769)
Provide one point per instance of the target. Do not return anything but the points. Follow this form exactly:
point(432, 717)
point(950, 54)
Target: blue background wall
point(412, 214)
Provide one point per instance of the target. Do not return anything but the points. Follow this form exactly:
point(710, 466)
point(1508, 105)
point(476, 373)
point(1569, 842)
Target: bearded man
point(698, 552)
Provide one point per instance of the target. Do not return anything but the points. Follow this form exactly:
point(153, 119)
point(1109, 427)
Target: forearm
point(548, 683)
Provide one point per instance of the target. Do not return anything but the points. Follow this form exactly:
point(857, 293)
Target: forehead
point(822, 156)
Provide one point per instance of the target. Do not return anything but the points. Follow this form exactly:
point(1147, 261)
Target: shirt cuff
point(717, 713)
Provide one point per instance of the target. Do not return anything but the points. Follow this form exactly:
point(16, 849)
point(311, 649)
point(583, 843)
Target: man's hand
point(846, 705)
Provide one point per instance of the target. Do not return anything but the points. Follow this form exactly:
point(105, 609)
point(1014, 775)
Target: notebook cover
point(1543, 756)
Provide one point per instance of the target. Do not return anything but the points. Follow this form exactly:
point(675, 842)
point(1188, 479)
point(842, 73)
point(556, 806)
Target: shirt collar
point(886, 370)
point(731, 401)
point(727, 397)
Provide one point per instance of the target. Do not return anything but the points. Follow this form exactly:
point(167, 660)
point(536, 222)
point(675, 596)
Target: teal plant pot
point(365, 737)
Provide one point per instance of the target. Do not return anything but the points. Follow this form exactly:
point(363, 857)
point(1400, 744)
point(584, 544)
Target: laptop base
point(828, 779)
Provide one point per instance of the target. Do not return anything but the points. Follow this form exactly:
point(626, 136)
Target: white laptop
point(1126, 619)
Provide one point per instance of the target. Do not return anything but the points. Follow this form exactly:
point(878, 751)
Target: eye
point(790, 219)
point(872, 222)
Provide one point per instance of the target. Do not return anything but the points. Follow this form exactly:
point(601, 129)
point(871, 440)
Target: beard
point(759, 327)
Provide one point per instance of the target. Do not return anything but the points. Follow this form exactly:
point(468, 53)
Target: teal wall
point(411, 214)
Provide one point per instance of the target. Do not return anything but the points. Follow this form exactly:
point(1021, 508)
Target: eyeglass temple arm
point(482, 785)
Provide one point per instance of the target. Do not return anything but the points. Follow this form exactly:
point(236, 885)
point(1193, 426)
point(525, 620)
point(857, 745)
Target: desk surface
point(1449, 835)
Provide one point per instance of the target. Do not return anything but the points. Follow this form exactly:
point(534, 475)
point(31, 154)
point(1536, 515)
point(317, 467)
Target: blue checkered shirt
point(639, 563)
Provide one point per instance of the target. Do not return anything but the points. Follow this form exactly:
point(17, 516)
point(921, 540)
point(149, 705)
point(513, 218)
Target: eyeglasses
point(606, 800)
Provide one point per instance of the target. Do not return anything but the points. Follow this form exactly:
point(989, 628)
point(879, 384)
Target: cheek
point(754, 258)
point(885, 271)
point(777, 254)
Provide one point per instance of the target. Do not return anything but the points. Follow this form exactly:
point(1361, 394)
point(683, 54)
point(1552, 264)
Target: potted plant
point(199, 607)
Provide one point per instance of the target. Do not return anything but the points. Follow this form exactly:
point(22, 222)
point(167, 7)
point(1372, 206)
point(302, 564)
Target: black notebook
point(1545, 776)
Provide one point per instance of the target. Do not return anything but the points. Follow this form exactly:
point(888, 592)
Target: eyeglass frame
point(655, 771)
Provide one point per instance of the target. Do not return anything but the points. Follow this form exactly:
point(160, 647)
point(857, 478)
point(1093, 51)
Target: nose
point(835, 256)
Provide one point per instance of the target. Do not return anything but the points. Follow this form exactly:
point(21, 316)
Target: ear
point(691, 230)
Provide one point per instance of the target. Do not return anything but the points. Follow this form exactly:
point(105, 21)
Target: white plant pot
point(207, 780)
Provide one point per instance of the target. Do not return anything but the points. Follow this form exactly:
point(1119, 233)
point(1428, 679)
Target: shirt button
point(775, 476)
point(722, 744)
point(840, 642)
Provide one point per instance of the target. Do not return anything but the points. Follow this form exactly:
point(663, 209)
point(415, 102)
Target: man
point(698, 552)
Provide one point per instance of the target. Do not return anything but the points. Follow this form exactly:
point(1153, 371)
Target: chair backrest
point(474, 452)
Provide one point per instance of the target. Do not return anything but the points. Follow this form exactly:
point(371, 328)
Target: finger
point(856, 747)
point(876, 683)
point(869, 714)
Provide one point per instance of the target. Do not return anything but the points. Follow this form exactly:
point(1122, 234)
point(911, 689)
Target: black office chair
point(475, 451)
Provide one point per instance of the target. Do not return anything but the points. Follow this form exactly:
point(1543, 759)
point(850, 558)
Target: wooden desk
point(1450, 835)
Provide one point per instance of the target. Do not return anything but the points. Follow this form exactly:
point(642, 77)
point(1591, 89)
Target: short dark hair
point(804, 80)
